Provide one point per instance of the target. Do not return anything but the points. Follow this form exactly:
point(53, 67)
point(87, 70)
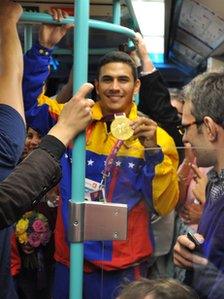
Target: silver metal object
point(97, 221)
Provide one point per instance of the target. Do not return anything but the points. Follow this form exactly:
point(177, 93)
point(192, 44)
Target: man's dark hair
point(206, 94)
point(158, 288)
point(117, 56)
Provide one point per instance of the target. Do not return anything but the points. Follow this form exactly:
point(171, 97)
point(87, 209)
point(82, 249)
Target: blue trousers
point(98, 284)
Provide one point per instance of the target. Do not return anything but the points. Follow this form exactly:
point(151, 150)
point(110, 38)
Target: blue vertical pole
point(80, 71)
point(28, 37)
point(116, 12)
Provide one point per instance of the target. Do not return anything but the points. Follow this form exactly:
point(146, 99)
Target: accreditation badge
point(94, 191)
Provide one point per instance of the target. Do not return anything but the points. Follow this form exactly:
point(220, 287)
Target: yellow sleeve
point(53, 106)
point(165, 187)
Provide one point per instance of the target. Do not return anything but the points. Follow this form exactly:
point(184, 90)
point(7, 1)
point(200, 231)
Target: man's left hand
point(145, 130)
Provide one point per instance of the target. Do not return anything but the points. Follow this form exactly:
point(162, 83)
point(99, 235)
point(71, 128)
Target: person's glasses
point(183, 128)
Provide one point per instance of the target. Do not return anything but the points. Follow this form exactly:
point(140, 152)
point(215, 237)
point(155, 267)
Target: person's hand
point(75, 116)
point(147, 65)
point(184, 171)
point(145, 130)
point(191, 213)
point(201, 181)
point(10, 11)
point(50, 35)
point(140, 46)
point(52, 197)
point(183, 255)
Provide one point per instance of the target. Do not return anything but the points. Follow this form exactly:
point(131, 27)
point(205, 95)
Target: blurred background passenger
point(157, 289)
point(177, 100)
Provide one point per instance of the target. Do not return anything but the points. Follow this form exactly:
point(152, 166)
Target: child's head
point(157, 289)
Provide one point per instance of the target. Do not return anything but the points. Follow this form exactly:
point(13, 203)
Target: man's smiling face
point(116, 87)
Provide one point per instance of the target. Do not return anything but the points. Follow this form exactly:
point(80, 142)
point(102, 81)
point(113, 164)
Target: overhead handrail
point(33, 17)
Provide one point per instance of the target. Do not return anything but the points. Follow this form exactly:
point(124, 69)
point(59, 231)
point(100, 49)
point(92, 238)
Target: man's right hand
point(10, 11)
point(183, 255)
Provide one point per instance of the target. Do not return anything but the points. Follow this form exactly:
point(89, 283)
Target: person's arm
point(161, 160)
point(41, 112)
point(201, 181)
point(165, 182)
point(11, 62)
point(201, 275)
point(146, 63)
point(160, 152)
point(192, 211)
point(185, 175)
point(40, 171)
point(145, 130)
point(37, 106)
point(154, 97)
point(66, 92)
point(12, 121)
point(28, 183)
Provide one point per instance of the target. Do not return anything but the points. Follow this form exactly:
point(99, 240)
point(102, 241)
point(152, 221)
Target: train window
point(150, 15)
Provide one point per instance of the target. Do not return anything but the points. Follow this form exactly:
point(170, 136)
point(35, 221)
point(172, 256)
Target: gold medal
point(120, 127)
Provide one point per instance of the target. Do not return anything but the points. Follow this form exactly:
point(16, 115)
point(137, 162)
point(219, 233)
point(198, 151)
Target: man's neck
point(220, 161)
point(110, 112)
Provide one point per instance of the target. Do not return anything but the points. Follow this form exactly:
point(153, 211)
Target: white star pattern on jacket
point(118, 163)
point(90, 162)
point(131, 165)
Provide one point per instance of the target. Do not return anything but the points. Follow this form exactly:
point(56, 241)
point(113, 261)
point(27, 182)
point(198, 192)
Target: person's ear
point(96, 84)
point(211, 128)
point(137, 86)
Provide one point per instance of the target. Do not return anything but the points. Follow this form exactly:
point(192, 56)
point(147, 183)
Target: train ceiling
point(194, 31)
point(197, 32)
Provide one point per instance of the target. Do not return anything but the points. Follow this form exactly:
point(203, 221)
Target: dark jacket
point(30, 181)
point(154, 101)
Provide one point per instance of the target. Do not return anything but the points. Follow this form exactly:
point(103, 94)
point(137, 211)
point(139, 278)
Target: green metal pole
point(96, 51)
point(80, 75)
point(116, 12)
point(132, 13)
point(28, 37)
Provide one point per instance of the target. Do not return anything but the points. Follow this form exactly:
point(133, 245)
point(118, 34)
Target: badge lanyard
point(100, 194)
point(109, 163)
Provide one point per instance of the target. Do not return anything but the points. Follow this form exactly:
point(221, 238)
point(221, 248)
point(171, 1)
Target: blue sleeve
point(12, 139)
point(36, 71)
point(208, 281)
point(217, 289)
point(148, 172)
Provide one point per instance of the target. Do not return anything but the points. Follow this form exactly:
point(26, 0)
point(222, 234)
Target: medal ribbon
point(111, 158)
point(110, 161)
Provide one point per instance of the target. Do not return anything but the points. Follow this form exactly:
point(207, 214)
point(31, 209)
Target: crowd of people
point(174, 245)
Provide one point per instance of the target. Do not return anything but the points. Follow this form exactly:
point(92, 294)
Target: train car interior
point(188, 36)
point(184, 38)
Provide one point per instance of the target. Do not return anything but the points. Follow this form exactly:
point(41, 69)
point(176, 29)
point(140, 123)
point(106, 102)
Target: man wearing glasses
point(203, 127)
